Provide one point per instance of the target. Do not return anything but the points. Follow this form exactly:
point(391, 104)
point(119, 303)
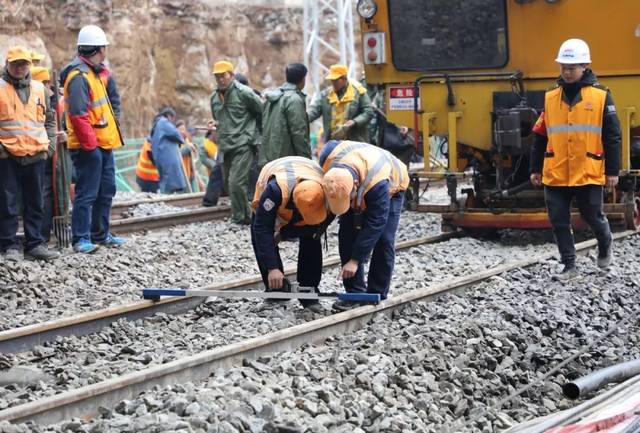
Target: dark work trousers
point(148, 185)
point(47, 200)
point(214, 187)
point(309, 261)
point(383, 256)
point(589, 200)
point(27, 179)
point(95, 188)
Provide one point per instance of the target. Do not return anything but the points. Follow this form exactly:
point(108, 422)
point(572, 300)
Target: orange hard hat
point(308, 197)
point(222, 66)
point(40, 73)
point(338, 185)
point(337, 71)
point(18, 53)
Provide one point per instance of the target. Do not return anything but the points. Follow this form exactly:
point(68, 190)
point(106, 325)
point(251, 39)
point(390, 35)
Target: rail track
point(83, 402)
point(178, 200)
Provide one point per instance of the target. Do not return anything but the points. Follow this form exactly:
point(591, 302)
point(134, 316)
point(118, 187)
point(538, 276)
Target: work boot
point(12, 255)
point(312, 305)
point(41, 252)
point(83, 246)
point(570, 272)
point(113, 241)
point(345, 305)
point(605, 257)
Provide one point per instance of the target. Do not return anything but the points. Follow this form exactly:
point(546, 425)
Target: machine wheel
point(632, 212)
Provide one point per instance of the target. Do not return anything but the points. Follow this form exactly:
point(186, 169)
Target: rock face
point(162, 51)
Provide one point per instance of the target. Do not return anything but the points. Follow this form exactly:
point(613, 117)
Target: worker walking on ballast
point(365, 186)
point(289, 203)
point(576, 152)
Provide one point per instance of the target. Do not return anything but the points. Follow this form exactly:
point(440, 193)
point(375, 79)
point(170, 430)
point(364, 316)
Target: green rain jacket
point(237, 114)
point(359, 110)
point(285, 127)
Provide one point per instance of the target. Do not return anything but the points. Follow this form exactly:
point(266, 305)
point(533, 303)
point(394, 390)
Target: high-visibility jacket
point(288, 172)
point(575, 153)
point(145, 169)
point(372, 164)
point(22, 131)
point(101, 115)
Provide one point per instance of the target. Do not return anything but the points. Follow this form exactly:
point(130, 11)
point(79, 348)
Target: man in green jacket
point(345, 108)
point(285, 127)
point(236, 109)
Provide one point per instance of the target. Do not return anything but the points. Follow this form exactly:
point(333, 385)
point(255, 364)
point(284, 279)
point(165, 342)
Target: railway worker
point(190, 154)
point(364, 185)
point(345, 108)
point(36, 58)
point(147, 175)
point(165, 147)
point(285, 127)
point(237, 109)
point(27, 140)
point(210, 158)
point(289, 203)
point(92, 107)
point(576, 153)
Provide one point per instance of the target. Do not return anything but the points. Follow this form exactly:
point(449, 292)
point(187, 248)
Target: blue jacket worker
point(165, 147)
point(364, 185)
point(289, 203)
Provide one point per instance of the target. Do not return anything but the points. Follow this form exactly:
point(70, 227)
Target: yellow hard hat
point(338, 184)
point(36, 57)
point(40, 73)
point(308, 197)
point(337, 71)
point(18, 53)
point(222, 66)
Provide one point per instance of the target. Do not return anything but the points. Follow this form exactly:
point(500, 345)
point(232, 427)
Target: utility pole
point(323, 20)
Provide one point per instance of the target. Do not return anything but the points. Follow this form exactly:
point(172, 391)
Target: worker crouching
point(364, 185)
point(289, 203)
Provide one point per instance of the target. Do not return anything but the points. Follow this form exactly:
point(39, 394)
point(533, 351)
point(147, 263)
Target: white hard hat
point(574, 51)
point(92, 36)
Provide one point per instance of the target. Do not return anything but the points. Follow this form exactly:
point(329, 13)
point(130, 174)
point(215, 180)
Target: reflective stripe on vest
point(22, 130)
point(288, 172)
point(384, 166)
point(101, 115)
point(574, 154)
point(145, 169)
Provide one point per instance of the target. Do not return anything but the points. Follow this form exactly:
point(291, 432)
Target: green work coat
point(237, 114)
point(359, 110)
point(285, 127)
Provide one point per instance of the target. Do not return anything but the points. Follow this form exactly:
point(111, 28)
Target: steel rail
point(27, 337)
point(84, 402)
point(189, 199)
point(136, 224)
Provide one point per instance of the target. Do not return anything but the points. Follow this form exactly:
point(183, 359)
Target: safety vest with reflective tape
point(372, 164)
point(288, 172)
point(22, 131)
point(101, 115)
point(145, 169)
point(575, 153)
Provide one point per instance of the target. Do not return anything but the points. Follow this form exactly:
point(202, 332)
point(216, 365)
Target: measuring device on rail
point(297, 292)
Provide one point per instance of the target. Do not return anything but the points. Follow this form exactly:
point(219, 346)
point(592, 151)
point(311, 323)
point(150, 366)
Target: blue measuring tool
point(156, 294)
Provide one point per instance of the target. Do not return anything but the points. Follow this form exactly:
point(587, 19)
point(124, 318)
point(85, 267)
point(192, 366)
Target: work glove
point(339, 133)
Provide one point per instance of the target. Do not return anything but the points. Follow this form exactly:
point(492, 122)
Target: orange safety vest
point(101, 113)
point(22, 130)
point(372, 164)
point(211, 149)
point(145, 169)
point(288, 172)
point(186, 162)
point(575, 152)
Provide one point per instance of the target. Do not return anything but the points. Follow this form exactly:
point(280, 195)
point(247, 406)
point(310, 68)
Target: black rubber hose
point(596, 380)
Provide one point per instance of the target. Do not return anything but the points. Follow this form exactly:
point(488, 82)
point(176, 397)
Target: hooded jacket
point(285, 126)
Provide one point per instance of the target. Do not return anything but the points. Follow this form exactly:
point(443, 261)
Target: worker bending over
point(364, 185)
point(289, 203)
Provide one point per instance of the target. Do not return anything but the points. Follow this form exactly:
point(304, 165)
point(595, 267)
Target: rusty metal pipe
point(596, 380)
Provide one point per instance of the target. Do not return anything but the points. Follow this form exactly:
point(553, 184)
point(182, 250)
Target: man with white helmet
point(576, 153)
point(92, 107)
